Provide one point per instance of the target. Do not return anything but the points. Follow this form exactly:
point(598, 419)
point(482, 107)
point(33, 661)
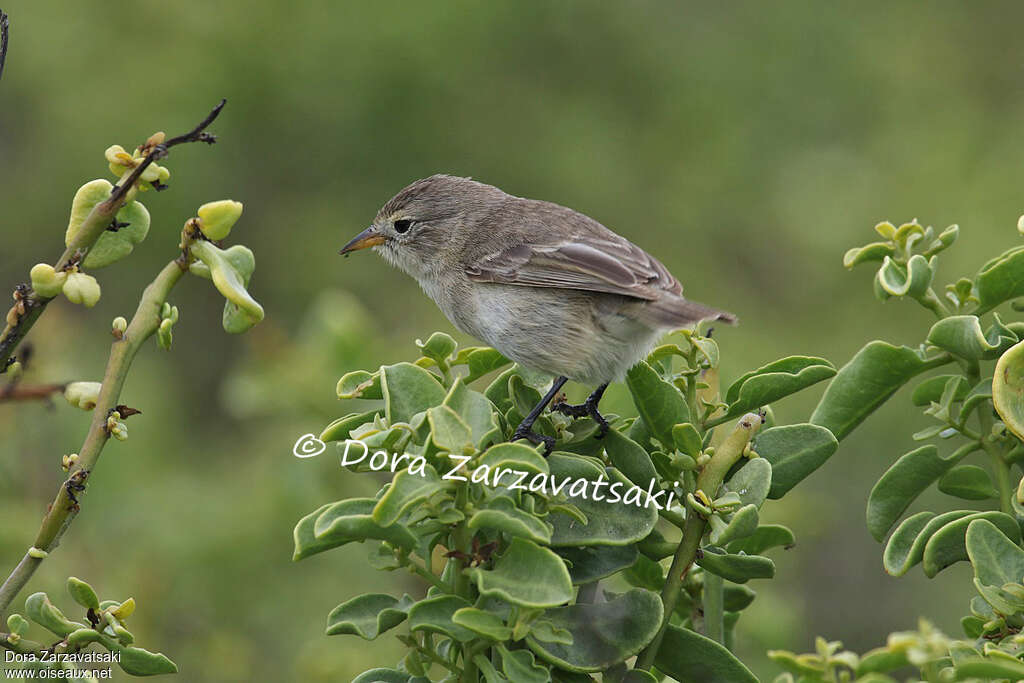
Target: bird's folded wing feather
point(585, 262)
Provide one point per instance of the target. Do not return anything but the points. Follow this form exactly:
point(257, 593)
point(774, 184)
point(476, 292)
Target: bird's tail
point(675, 312)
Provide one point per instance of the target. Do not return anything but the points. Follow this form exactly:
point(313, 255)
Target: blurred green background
point(746, 144)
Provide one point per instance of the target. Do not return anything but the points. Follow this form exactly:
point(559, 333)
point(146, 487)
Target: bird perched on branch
point(550, 288)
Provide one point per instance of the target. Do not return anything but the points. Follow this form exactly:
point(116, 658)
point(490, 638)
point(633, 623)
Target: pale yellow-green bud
point(83, 394)
point(80, 288)
point(119, 326)
point(46, 281)
point(217, 218)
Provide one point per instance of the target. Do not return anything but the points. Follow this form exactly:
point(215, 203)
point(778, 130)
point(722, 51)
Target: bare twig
point(94, 225)
point(65, 505)
point(5, 28)
point(17, 392)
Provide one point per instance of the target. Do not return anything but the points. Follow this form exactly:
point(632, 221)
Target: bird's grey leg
point(588, 407)
point(525, 428)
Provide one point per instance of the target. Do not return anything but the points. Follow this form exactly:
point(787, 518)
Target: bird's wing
point(585, 262)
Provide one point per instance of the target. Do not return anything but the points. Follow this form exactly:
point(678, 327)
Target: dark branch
point(17, 392)
point(5, 27)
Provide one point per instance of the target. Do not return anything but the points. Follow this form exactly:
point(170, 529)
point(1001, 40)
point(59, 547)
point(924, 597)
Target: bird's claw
point(585, 409)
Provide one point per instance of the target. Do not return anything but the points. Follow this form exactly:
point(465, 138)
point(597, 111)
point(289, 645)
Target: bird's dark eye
point(403, 225)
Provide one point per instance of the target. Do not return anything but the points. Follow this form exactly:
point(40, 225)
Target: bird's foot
point(587, 408)
point(524, 431)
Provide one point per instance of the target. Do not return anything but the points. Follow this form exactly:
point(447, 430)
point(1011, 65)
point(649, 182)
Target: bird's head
point(426, 225)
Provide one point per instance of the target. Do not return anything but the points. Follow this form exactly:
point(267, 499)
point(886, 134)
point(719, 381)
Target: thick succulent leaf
point(629, 458)
point(736, 568)
point(609, 521)
point(903, 482)
point(751, 482)
point(527, 575)
point(766, 536)
point(875, 251)
point(962, 336)
point(603, 634)
point(230, 270)
point(482, 623)
point(905, 548)
point(659, 403)
point(406, 490)
point(368, 616)
point(874, 374)
point(743, 523)
point(388, 676)
point(969, 482)
point(501, 514)
point(1008, 389)
point(989, 669)
point(482, 361)
point(435, 616)
point(40, 610)
point(794, 451)
point(774, 381)
point(930, 390)
point(408, 389)
point(948, 546)
point(513, 456)
point(449, 432)
point(476, 410)
point(139, 662)
point(587, 564)
point(438, 347)
point(692, 658)
point(341, 429)
point(336, 524)
point(113, 246)
point(997, 560)
point(359, 384)
point(1001, 279)
point(520, 666)
point(912, 279)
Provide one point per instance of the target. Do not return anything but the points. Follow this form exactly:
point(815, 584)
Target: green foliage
point(515, 547)
point(976, 409)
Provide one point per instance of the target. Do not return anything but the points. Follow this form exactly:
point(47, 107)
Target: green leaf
point(603, 634)
point(360, 384)
point(1001, 279)
point(874, 374)
point(881, 660)
point(742, 524)
point(527, 575)
point(230, 270)
point(997, 560)
point(630, 458)
point(904, 481)
point(406, 490)
point(587, 564)
point(40, 610)
point(875, 251)
point(969, 482)
point(905, 548)
point(113, 246)
point(751, 482)
point(435, 616)
point(482, 361)
point(502, 515)
point(519, 666)
point(483, 623)
point(930, 390)
point(692, 658)
point(139, 662)
point(449, 432)
point(912, 279)
point(736, 568)
point(82, 593)
point(737, 598)
point(989, 669)
point(336, 524)
point(687, 439)
point(437, 347)
point(368, 616)
point(497, 390)
point(774, 381)
point(961, 335)
point(408, 389)
point(341, 429)
point(1008, 389)
point(766, 537)
point(514, 456)
point(793, 451)
point(948, 545)
point(609, 521)
point(659, 403)
point(388, 676)
point(477, 412)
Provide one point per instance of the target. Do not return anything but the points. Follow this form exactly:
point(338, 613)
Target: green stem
point(428, 575)
point(462, 539)
point(996, 457)
point(933, 303)
point(714, 607)
point(710, 481)
point(63, 510)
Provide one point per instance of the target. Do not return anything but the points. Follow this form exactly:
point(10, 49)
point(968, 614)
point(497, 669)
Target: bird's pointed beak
point(367, 238)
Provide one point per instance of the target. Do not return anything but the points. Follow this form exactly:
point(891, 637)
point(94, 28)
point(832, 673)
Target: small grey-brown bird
point(550, 288)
